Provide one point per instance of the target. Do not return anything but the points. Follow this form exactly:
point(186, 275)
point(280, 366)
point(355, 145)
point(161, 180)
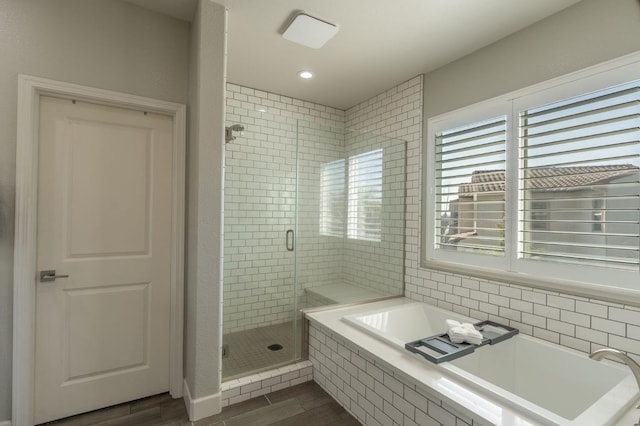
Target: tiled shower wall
point(260, 197)
point(581, 323)
point(397, 114)
point(320, 257)
point(379, 265)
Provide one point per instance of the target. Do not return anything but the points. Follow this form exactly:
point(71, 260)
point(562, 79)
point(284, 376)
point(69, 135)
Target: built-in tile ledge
point(340, 293)
point(242, 389)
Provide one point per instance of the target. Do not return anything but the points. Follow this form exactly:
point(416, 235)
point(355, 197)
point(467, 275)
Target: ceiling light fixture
point(309, 31)
point(305, 74)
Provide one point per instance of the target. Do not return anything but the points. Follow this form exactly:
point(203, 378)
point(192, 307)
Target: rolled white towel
point(460, 334)
point(453, 323)
point(468, 326)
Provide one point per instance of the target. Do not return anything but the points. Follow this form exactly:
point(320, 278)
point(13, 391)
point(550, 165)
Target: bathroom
point(588, 33)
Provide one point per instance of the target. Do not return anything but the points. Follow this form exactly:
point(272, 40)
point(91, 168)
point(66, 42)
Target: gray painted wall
point(100, 43)
point(585, 34)
point(203, 318)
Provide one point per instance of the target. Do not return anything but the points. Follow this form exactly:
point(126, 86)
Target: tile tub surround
point(369, 378)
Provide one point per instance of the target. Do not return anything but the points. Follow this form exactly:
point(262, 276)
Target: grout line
point(268, 400)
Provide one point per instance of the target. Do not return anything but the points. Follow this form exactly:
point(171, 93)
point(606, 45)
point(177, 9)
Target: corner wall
point(203, 314)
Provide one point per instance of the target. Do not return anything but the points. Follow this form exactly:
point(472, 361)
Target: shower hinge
point(225, 350)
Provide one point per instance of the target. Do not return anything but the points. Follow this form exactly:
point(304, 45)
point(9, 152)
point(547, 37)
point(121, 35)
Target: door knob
point(50, 275)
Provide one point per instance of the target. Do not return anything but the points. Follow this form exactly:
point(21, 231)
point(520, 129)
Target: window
point(332, 181)
point(365, 196)
point(536, 183)
point(470, 164)
point(576, 154)
point(362, 183)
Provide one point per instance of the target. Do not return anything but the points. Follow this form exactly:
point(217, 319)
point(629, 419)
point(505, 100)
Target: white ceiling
point(380, 43)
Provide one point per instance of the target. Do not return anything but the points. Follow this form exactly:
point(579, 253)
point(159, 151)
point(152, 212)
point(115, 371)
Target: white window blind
point(581, 159)
point(365, 196)
point(470, 187)
point(332, 199)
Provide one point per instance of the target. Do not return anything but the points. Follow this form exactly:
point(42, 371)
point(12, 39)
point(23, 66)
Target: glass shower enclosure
point(313, 216)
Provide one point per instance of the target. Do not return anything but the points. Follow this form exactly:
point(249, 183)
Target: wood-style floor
point(302, 405)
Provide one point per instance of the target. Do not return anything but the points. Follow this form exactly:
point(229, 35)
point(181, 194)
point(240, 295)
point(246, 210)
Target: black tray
point(440, 348)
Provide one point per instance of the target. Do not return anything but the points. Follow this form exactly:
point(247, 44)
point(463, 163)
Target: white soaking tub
point(550, 383)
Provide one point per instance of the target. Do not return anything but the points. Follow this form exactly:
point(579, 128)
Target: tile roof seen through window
point(549, 178)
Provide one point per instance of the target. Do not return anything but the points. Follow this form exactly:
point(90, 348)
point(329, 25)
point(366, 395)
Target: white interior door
point(104, 219)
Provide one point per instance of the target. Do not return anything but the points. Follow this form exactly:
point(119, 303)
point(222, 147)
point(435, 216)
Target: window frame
point(604, 283)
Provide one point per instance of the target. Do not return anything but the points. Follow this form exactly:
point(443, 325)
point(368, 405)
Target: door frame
point(30, 89)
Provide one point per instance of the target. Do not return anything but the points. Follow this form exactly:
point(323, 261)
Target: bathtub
point(549, 383)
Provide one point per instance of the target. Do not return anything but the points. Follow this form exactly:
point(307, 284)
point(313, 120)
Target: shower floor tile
point(248, 350)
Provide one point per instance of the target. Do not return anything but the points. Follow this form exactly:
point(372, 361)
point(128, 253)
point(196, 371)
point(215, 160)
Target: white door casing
point(104, 222)
point(30, 91)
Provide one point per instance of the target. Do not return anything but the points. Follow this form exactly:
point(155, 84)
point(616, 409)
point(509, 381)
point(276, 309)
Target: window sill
point(575, 288)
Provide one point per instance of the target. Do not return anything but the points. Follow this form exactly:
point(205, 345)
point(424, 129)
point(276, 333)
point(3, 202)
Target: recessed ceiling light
point(305, 74)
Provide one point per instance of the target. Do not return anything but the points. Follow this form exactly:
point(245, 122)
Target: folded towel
point(463, 332)
point(453, 323)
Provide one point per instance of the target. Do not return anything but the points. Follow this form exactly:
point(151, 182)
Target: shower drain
point(274, 347)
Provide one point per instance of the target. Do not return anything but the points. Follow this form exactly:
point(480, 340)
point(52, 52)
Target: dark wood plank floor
point(306, 404)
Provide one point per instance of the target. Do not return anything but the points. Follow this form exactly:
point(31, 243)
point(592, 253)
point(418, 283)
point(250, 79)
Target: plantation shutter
point(332, 190)
point(470, 187)
point(365, 196)
point(580, 180)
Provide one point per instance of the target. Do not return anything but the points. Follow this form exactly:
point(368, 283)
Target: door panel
point(111, 157)
point(104, 219)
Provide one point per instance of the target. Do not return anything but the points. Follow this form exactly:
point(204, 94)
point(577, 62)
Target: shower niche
point(313, 215)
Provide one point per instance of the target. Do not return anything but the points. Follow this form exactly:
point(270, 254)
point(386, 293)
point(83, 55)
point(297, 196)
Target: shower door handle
point(289, 243)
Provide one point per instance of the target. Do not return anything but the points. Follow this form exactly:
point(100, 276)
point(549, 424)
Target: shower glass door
point(260, 199)
point(313, 215)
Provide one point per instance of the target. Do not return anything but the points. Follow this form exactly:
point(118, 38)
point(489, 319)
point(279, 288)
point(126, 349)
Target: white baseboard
point(5, 423)
point(201, 407)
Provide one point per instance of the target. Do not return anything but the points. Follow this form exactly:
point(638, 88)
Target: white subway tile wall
point(573, 321)
point(581, 323)
point(372, 391)
point(379, 265)
point(239, 390)
point(396, 115)
point(260, 196)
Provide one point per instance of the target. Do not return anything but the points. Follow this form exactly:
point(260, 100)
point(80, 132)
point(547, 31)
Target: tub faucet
point(634, 366)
